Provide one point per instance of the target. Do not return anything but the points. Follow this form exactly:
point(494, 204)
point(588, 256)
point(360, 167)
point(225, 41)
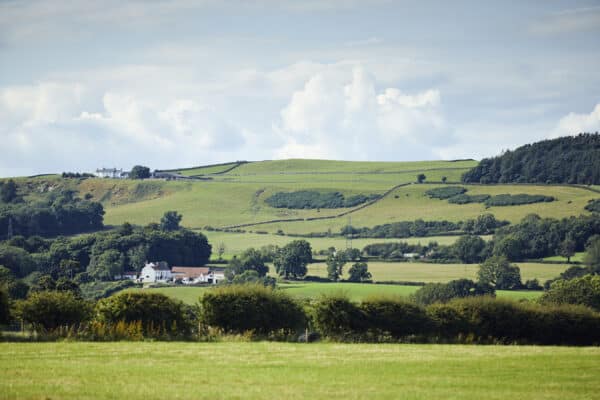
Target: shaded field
point(295, 371)
point(355, 291)
point(427, 272)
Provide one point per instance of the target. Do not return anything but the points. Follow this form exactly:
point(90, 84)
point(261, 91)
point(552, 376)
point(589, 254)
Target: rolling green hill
point(235, 196)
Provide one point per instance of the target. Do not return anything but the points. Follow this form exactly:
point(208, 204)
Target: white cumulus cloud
point(340, 113)
point(574, 123)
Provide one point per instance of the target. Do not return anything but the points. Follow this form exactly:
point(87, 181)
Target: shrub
point(335, 316)
point(516, 199)
point(394, 317)
point(159, 315)
point(467, 199)
point(238, 309)
point(49, 310)
point(309, 199)
point(491, 318)
point(444, 292)
point(584, 290)
point(445, 192)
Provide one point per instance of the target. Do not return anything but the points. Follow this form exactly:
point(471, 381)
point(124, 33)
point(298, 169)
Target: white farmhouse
point(109, 173)
point(155, 272)
point(192, 275)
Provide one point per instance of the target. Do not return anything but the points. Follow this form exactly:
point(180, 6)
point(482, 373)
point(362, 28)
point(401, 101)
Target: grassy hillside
point(233, 370)
point(237, 197)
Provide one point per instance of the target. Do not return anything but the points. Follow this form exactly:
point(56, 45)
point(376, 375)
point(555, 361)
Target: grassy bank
point(294, 371)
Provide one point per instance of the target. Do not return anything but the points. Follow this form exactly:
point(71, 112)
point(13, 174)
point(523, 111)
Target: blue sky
point(182, 83)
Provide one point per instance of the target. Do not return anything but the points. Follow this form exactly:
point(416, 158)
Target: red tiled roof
point(190, 272)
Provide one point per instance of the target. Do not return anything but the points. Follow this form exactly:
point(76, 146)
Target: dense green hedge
point(238, 309)
point(517, 199)
point(445, 192)
point(475, 319)
point(468, 198)
point(309, 199)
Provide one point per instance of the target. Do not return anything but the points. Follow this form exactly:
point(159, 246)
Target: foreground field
point(355, 291)
point(295, 371)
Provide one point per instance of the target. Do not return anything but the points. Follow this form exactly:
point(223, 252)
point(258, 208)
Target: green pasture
point(323, 166)
point(577, 257)
point(213, 169)
point(410, 202)
point(427, 272)
point(259, 370)
point(300, 289)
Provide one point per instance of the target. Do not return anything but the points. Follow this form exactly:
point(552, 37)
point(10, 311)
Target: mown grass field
point(306, 290)
point(230, 370)
point(427, 272)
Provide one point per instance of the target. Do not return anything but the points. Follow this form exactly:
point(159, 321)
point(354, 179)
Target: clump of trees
point(593, 205)
point(468, 198)
point(139, 172)
point(444, 292)
point(456, 195)
point(308, 199)
point(59, 213)
point(502, 200)
point(535, 237)
point(292, 259)
point(570, 159)
point(445, 192)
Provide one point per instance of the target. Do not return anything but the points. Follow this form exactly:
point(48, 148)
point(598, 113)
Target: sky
point(170, 84)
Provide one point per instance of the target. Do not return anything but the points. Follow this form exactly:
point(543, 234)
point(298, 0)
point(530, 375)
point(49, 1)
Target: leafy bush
point(445, 192)
point(444, 292)
point(49, 310)
point(501, 200)
point(467, 199)
point(308, 199)
point(335, 316)
point(394, 317)
point(584, 290)
point(593, 205)
point(158, 314)
point(239, 309)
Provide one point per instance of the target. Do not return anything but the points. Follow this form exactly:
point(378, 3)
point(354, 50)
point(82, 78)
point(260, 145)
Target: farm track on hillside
point(385, 194)
point(343, 214)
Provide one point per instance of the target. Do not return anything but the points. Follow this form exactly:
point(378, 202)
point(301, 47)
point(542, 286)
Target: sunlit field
point(230, 370)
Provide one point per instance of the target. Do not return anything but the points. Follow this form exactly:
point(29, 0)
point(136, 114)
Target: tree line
point(570, 159)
